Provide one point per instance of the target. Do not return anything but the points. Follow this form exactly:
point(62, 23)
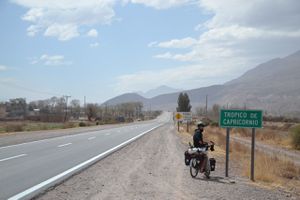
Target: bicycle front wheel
point(194, 167)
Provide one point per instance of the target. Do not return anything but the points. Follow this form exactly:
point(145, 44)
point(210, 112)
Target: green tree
point(91, 111)
point(75, 108)
point(183, 103)
point(16, 107)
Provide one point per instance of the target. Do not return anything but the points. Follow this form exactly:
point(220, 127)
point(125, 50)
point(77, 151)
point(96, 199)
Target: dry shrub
point(288, 170)
point(239, 148)
point(69, 125)
point(265, 168)
point(295, 137)
point(268, 135)
point(274, 137)
point(45, 127)
point(243, 132)
point(272, 169)
point(286, 126)
point(14, 127)
point(82, 124)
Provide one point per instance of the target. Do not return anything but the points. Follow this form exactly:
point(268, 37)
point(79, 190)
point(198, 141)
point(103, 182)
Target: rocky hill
point(273, 86)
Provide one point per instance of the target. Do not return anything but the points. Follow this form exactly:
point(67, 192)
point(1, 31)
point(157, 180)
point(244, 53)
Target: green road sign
point(240, 118)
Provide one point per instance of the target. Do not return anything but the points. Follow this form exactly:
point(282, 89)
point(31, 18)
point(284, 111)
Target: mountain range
point(273, 86)
point(163, 89)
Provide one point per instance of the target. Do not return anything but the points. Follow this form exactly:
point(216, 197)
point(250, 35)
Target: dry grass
point(274, 171)
point(281, 126)
point(295, 137)
point(17, 126)
point(269, 170)
point(272, 135)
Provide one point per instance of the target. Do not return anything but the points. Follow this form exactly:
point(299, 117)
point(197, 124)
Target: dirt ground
point(153, 168)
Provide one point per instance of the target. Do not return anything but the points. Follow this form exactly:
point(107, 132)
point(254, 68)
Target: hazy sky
point(103, 48)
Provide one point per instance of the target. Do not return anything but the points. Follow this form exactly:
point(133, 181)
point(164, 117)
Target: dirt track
point(153, 168)
point(292, 155)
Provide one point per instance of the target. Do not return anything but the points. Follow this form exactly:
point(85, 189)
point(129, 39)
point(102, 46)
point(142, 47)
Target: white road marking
point(107, 133)
point(91, 138)
point(65, 136)
point(77, 167)
point(21, 155)
point(63, 145)
point(60, 137)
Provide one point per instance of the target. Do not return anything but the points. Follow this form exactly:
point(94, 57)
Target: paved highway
point(27, 169)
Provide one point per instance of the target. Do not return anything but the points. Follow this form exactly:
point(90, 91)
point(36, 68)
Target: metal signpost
point(240, 119)
point(185, 117)
point(178, 117)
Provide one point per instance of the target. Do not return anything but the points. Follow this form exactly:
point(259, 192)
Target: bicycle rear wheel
point(194, 167)
point(207, 170)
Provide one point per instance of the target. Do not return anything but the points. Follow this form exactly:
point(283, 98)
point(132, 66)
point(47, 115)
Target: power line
point(15, 86)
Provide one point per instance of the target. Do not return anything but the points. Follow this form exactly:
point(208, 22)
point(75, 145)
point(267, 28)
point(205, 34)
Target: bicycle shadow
point(216, 179)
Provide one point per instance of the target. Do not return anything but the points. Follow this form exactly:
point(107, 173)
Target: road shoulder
point(153, 168)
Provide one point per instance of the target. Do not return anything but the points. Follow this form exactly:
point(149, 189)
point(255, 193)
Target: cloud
point(176, 43)
point(92, 33)
point(187, 57)
point(63, 19)
point(67, 19)
point(241, 33)
point(237, 37)
point(55, 60)
point(166, 55)
point(3, 68)
point(161, 4)
point(189, 76)
point(62, 32)
point(94, 45)
point(152, 44)
point(267, 14)
point(32, 30)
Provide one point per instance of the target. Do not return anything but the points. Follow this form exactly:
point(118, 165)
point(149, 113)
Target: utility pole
point(67, 97)
point(106, 111)
point(206, 106)
point(150, 114)
point(84, 106)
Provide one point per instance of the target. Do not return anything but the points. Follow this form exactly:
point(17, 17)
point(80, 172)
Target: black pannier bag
point(212, 163)
point(187, 158)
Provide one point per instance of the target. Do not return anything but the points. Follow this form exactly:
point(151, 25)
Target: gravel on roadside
point(153, 168)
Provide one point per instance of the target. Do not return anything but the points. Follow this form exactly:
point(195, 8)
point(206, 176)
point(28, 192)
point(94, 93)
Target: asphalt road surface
point(28, 168)
point(151, 168)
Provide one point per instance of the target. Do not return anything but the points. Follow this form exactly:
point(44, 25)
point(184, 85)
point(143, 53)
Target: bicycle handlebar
point(206, 145)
